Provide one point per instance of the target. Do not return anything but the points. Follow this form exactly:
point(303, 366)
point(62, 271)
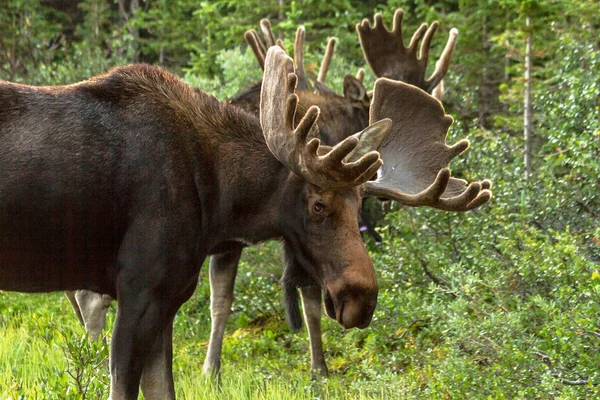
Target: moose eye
point(318, 208)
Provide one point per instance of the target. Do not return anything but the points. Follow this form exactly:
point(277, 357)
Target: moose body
point(125, 183)
point(93, 170)
point(341, 116)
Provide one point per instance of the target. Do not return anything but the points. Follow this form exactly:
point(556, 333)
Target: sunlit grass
point(34, 355)
point(420, 345)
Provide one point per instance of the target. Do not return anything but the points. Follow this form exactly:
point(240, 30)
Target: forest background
point(502, 302)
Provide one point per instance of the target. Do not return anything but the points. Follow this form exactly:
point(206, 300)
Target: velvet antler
point(415, 153)
point(325, 167)
point(259, 48)
point(326, 62)
point(388, 57)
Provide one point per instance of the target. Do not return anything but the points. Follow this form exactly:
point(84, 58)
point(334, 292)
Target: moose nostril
point(370, 310)
point(340, 314)
point(329, 306)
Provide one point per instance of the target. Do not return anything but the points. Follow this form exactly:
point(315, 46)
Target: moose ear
point(354, 91)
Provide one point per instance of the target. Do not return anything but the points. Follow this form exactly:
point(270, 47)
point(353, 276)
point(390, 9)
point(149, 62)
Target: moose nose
point(353, 314)
point(351, 308)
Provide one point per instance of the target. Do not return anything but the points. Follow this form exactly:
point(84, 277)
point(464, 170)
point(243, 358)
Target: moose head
point(323, 231)
point(415, 172)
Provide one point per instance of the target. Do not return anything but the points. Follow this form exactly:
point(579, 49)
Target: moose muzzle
point(351, 298)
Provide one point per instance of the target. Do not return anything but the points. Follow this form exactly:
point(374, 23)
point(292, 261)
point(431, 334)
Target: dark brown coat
point(124, 183)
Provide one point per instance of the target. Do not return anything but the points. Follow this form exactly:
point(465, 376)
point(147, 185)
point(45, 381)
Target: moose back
point(123, 184)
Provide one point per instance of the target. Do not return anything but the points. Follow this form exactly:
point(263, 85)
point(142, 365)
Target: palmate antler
point(259, 48)
point(415, 153)
point(321, 166)
point(388, 57)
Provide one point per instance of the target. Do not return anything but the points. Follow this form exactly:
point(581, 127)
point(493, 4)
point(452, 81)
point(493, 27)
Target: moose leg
point(365, 220)
point(71, 296)
point(140, 319)
point(92, 309)
point(158, 271)
point(157, 377)
point(141, 351)
point(222, 269)
point(159, 368)
point(311, 304)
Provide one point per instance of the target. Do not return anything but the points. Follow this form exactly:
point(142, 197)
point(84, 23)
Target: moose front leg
point(157, 377)
point(141, 350)
point(223, 270)
point(311, 304)
point(159, 369)
point(158, 268)
point(140, 319)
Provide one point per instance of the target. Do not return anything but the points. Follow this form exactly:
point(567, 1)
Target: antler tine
point(265, 26)
point(426, 43)
point(278, 103)
point(260, 49)
point(397, 25)
point(299, 58)
point(416, 38)
point(388, 57)
point(416, 156)
point(360, 75)
point(326, 60)
point(438, 91)
point(257, 47)
point(442, 65)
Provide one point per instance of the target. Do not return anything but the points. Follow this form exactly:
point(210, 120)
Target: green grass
point(35, 358)
point(43, 347)
point(478, 343)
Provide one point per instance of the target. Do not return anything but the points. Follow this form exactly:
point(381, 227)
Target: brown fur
point(124, 183)
point(341, 115)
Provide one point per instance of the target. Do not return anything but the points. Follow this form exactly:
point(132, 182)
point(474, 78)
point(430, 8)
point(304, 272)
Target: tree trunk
point(527, 100)
point(281, 15)
point(134, 5)
point(506, 66)
point(482, 107)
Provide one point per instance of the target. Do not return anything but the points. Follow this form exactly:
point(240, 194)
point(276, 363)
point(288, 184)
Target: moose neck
point(251, 189)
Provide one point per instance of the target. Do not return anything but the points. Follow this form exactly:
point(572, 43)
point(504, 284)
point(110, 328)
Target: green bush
point(499, 303)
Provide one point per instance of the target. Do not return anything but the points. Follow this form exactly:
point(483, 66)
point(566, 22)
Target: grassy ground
point(45, 354)
point(470, 338)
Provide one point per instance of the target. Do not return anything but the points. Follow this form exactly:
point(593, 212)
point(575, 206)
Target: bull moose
point(344, 113)
point(124, 183)
point(340, 117)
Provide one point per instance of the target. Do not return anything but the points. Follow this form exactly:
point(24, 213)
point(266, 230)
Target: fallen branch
point(546, 360)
